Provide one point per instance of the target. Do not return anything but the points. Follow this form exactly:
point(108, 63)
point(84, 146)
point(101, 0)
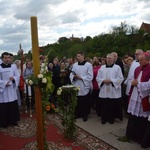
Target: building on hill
point(76, 38)
point(145, 27)
point(72, 38)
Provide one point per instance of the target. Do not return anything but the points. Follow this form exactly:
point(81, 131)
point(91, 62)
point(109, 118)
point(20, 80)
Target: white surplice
point(8, 93)
point(135, 104)
point(144, 88)
point(115, 75)
point(86, 73)
point(134, 65)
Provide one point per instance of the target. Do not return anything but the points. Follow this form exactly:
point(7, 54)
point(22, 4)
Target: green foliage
point(44, 82)
point(67, 101)
point(122, 39)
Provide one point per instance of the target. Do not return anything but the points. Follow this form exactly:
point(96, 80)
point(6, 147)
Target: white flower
point(58, 92)
point(60, 89)
point(44, 80)
point(42, 65)
point(42, 70)
point(40, 76)
point(77, 88)
point(45, 68)
point(30, 82)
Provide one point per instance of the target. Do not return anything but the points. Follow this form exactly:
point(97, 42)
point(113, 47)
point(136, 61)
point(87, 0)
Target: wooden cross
point(36, 67)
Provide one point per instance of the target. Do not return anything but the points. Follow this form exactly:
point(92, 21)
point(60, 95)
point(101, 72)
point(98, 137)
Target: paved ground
point(108, 133)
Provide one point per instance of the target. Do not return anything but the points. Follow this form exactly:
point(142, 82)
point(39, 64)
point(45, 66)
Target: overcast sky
point(62, 18)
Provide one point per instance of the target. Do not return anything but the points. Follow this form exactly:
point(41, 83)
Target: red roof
point(145, 27)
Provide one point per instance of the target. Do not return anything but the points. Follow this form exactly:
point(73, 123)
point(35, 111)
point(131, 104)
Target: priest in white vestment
point(81, 75)
point(139, 106)
point(144, 90)
point(109, 79)
point(9, 80)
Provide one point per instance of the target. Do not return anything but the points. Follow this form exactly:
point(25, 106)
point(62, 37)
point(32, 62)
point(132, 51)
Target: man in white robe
point(11, 61)
point(127, 82)
point(109, 79)
point(139, 107)
point(9, 80)
point(81, 75)
point(144, 90)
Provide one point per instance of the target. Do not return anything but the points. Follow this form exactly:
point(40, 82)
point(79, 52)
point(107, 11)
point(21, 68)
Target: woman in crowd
point(95, 103)
point(27, 73)
point(64, 74)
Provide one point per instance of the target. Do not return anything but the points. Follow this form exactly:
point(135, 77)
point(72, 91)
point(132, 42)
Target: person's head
point(80, 56)
point(5, 57)
point(88, 59)
point(62, 65)
point(129, 60)
point(27, 60)
point(95, 59)
point(50, 65)
point(144, 59)
point(70, 60)
point(55, 61)
point(11, 58)
point(103, 61)
point(17, 62)
point(138, 52)
point(148, 51)
point(115, 56)
point(110, 59)
point(29, 65)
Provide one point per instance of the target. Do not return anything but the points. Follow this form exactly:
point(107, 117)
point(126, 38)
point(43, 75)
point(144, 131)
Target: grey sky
point(57, 18)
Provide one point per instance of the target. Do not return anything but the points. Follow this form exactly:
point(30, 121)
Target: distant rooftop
point(145, 27)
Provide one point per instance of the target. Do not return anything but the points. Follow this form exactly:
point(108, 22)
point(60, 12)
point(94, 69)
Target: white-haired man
point(127, 82)
point(109, 80)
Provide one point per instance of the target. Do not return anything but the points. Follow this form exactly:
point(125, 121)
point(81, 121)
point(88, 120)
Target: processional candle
point(29, 90)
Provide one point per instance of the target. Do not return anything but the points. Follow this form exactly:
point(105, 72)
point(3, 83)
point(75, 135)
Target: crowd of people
point(112, 86)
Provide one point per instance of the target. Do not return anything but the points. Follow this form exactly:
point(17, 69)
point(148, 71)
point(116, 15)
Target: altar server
point(9, 80)
point(82, 75)
point(109, 80)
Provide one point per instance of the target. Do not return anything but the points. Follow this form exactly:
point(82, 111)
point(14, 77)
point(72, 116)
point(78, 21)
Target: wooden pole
point(36, 67)
point(22, 58)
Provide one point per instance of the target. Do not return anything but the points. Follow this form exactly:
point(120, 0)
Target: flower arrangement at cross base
point(67, 101)
point(44, 82)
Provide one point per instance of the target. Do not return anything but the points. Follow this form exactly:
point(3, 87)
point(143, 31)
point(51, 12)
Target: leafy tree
point(122, 39)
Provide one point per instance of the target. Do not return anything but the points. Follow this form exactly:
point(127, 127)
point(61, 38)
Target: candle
point(29, 90)
point(25, 90)
point(149, 118)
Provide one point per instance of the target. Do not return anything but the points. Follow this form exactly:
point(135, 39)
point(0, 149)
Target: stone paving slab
point(108, 132)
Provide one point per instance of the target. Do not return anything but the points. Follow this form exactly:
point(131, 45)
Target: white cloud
point(57, 18)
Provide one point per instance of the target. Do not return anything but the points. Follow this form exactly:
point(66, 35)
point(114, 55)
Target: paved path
point(108, 133)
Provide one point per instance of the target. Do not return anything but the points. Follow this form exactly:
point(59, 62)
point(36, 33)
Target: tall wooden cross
point(36, 67)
